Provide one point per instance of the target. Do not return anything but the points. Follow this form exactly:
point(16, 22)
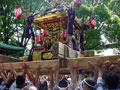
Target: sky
point(106, 52)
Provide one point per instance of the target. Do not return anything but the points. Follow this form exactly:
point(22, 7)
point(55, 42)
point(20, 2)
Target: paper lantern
point(64, 34)
point(44, 32)
point(93, 23)
point(18, 12)
point(77, 2)
point(39, 39)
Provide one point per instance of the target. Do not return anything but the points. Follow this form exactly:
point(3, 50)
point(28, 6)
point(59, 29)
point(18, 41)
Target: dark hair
point(43, 86)
point(1, 80)
point(63, 83)
point(20, 80)
point(10, 82)
point(90, 83)
point(87, 73)
point(112, 80)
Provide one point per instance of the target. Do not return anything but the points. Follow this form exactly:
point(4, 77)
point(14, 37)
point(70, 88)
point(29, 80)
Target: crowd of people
point(98, 76)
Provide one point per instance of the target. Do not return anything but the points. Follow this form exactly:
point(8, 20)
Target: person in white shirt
point(31, 87)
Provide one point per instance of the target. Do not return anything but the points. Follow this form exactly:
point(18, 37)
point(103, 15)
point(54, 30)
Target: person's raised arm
point(37, 75)
point(99, 67)
point(12, 69)
point(10, 75)
point(73, 68)
point(119, 62)
point(50, 70)
point(28, 72)
point(56, 70)
point(51, 78)
point(80, 72)
point(1, 73)
point(91, 67)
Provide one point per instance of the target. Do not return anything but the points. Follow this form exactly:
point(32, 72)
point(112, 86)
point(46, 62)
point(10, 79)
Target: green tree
point(107, 15)
point(12, 30)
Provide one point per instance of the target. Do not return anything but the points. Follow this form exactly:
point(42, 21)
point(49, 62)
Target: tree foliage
point(107, 15)
point(12, 30)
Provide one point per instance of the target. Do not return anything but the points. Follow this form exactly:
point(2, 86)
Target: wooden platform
point(82, 63)
point(61, 50)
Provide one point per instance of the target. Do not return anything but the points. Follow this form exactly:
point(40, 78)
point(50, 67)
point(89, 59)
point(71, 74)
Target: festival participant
point(3, 73)
point(63, 84)
point(43, 86)
point(76, 82)
point(29, 88)
point(2, 85)
point(8, 79)
point(2, 78)
point(73, 68)
point(9, 83)
point(28, 72)
point(79, 84)
point(55, 83)
point(37, 76)
point(97, 67)
point(111, 78)
point(20, 81)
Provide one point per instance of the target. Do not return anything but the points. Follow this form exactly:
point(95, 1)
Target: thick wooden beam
point(31, 64)
point(82, 61)
point(6, 59)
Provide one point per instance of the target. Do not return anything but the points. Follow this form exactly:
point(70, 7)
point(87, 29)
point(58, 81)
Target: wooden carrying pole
point(6, 59)
point(43, 64)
